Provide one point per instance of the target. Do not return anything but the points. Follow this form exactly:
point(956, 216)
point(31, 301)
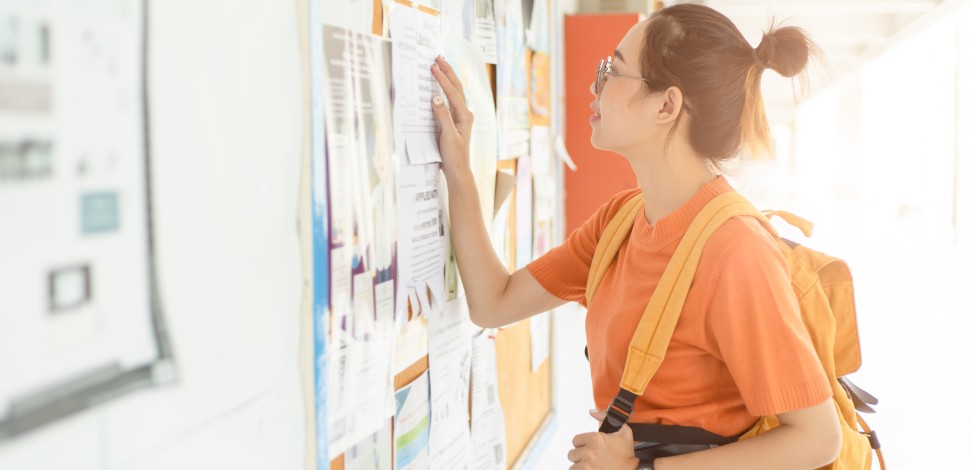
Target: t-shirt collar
point(675, 224)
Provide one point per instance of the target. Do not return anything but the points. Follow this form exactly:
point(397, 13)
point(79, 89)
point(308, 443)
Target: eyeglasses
point(604, 70)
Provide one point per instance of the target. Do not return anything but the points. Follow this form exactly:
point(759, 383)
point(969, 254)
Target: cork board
point(524, 395)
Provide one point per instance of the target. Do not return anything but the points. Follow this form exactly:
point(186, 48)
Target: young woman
point(679, 96)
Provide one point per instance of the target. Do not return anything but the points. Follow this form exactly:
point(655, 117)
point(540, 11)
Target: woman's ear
point(670, 105)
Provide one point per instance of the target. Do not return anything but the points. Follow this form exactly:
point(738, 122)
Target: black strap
point(683, 435)
point(649, 451)
point(621, 409)
point(618, 412)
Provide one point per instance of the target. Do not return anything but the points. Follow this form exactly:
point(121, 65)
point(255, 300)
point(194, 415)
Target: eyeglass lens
point(600, 76)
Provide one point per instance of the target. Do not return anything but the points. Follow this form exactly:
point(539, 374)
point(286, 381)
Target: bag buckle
point(618, 412)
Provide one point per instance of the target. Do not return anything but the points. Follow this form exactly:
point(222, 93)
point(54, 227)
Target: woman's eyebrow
point(618, 55)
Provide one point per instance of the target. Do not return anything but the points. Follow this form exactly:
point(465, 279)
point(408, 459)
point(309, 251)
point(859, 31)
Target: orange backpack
point(823, 287)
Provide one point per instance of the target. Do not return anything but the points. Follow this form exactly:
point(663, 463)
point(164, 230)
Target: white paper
point(411, 344)
point(422, 238)
point(545, 189)
point(412, 425)
point(385, 305)
point(337, 400)
point(539, 33)
point(513, 106)
point(486, 423)
point(361, 380)
point(373, 453)
point(416, 41)
point(457, 18)
point(524, 212)
point(470, 67)
point(485, 32)
point(450, 358)
point(364, 305)
point(355, 15)
point(540, 339)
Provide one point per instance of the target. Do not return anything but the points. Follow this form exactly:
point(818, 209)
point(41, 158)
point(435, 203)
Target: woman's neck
point(669, 183)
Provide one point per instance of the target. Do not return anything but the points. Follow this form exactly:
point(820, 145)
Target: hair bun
point(785, 50)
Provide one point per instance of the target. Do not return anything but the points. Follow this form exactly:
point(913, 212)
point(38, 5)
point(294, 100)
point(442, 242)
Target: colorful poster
point(513, 107)
point(362, 235)
point(412, 425)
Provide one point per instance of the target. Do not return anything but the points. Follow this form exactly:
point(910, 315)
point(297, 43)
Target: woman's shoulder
point(740, 243)
point(620, 198)
point(599, 220)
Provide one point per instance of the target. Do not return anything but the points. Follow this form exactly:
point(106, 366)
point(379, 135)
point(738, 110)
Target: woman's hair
point(700, 51)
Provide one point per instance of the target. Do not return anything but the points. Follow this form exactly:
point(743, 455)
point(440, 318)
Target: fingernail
point(435, 65)
point(437, 101)
point(593, 410)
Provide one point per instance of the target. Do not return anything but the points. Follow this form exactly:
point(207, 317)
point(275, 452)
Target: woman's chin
point(594, 142)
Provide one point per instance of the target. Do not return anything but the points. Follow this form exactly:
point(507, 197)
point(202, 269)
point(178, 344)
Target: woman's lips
point(594, 117)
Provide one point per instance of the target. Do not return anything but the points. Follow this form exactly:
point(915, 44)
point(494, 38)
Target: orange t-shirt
point(740, 349)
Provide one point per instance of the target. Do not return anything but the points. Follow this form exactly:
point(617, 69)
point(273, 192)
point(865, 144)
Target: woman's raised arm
point(495, 297)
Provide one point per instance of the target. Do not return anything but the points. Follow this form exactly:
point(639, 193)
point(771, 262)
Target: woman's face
point(622, 116)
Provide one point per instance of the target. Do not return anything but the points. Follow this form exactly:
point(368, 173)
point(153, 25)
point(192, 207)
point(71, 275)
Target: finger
point(457, 103)
point(454, 95)
point(582, 440)
point(451, 74)
point(626, 432)
point(443, 116)
point(599, 415)
point(574, 455)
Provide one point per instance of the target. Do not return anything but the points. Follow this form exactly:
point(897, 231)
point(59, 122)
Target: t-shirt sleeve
point(755, 321)
point(563, 271)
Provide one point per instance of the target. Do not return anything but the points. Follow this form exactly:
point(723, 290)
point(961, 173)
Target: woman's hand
point(597, 450)
point(455, 122)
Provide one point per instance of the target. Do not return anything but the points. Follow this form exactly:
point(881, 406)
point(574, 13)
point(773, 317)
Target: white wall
point(880, 182)
point(227, 137)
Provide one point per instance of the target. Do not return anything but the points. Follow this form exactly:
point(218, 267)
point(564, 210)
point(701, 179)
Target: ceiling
point(846, 31)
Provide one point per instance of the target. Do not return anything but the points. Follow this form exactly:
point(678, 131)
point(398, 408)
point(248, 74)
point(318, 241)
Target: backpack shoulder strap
point(611, 239)
point(651, 339)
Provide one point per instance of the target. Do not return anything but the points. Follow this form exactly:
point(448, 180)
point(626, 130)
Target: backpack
point(824, 291)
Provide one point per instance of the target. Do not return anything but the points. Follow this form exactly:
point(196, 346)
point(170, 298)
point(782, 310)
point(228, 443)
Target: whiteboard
point(79, 315)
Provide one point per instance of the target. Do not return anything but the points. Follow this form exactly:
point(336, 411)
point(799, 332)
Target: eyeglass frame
point(605, 69)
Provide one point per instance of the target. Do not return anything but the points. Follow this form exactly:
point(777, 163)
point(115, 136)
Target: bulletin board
point(350, 42)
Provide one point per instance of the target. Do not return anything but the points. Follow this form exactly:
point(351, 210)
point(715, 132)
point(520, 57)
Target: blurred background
point(876, 150)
